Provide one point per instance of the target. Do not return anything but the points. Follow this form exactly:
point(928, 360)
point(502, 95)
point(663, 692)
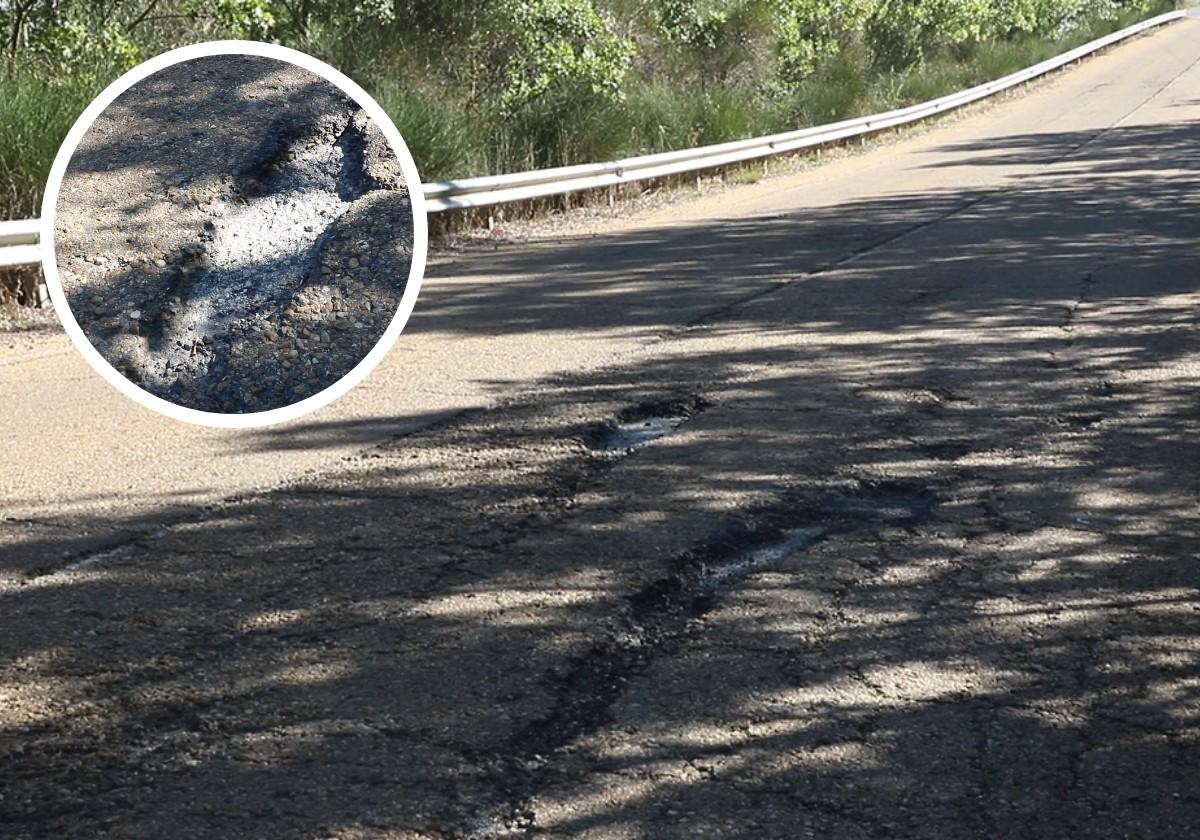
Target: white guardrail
point(18, 240)
point(19, 243)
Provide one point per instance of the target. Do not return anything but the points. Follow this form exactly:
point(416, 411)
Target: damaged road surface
point(869, 512)
point(234, 234)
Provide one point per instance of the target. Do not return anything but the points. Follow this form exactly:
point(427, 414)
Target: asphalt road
point(914, 555)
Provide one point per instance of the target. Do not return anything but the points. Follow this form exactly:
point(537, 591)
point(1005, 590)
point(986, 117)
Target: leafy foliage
point(250, 19)
point(560, 46)
point(491, 85)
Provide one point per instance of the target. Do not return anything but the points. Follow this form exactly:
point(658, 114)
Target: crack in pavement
point(853, 656)
point(660, 615)
point(606, 443)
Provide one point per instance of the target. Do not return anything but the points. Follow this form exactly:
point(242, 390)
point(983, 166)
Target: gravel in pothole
point(234, 234)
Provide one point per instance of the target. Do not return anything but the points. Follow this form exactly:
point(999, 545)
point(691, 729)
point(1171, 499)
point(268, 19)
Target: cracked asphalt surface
point(861, 503)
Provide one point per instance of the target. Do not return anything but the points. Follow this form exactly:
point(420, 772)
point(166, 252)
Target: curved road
point(859, 502)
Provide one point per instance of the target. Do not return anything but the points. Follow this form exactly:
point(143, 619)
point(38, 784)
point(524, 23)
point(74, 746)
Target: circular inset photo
point(234, 233)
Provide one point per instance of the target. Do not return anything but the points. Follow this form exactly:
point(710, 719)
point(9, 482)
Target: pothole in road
point(262, 243)
point(236, 234)
point(643, 424)
point(738, 566)
point(950, 450)
point(791, 524)
point(691, 592)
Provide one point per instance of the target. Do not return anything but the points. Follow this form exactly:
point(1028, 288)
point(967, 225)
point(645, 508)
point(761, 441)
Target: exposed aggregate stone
point(258, 271)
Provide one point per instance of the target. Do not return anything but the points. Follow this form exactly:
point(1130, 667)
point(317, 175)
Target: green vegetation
point(481, 86)
point(34, 118)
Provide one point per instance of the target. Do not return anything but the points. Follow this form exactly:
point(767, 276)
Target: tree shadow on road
point(495, 623)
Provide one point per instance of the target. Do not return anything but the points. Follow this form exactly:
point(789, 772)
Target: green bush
point(484, 86)
point(35, 116)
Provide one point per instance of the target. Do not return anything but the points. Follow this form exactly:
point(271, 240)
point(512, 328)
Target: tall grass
point(450, 138)
point(35, 116)
point(442, 138)
point(660, 117)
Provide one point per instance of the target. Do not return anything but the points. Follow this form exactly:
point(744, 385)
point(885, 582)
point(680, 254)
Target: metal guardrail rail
point(498, 189)
point(19, 243)
point(17, 248)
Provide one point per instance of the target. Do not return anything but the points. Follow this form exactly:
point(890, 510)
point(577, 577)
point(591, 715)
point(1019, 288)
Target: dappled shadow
point(651, 282)
point(653, 279)
point(193, 94)
point(1122, 149)
point(986, 429)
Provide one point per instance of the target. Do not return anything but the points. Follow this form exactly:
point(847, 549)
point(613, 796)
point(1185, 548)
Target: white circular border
point(368, 362)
